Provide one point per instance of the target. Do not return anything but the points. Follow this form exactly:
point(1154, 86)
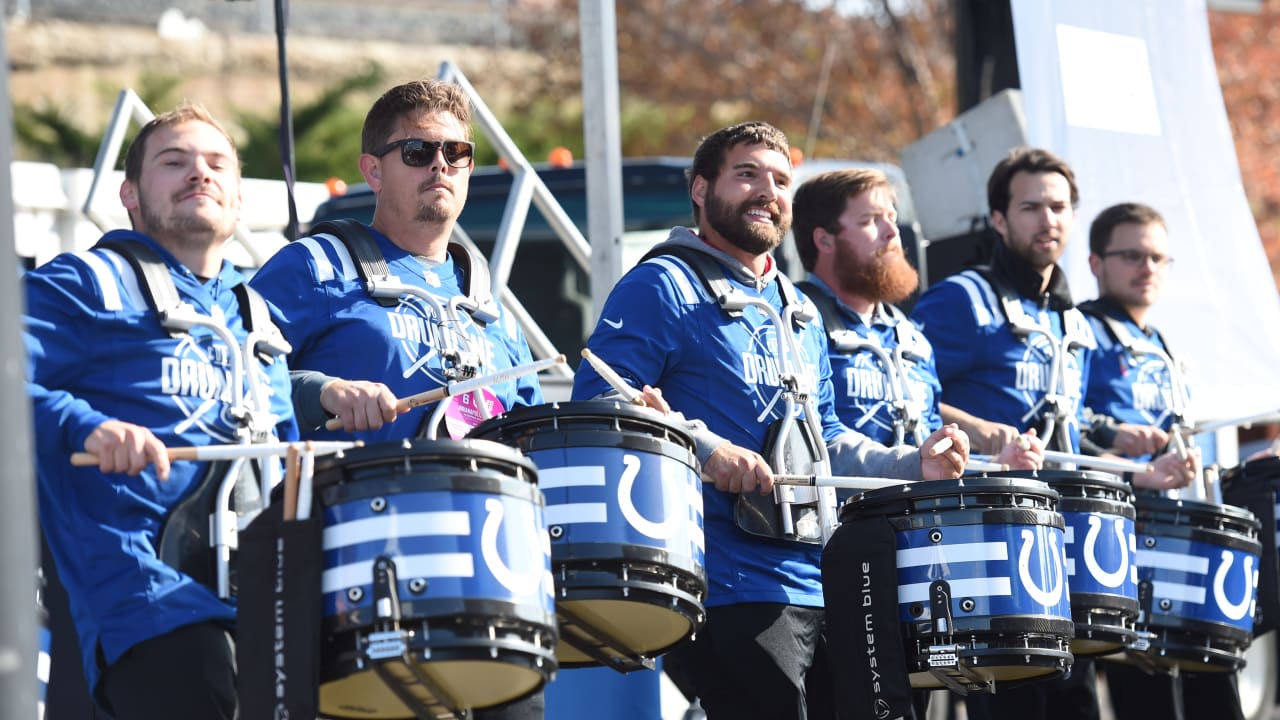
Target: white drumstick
point(227, 452)
point(405, 404)
point(612, 377)
point(840, 482)
point(940, 447)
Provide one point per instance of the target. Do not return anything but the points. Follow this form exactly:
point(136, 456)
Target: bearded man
point(760, 653)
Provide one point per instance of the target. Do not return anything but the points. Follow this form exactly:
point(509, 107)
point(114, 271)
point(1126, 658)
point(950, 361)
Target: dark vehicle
point(554, 290)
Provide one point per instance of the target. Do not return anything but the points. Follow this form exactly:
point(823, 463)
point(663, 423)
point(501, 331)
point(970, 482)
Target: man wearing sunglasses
point(1128, 400)
point(358, 350)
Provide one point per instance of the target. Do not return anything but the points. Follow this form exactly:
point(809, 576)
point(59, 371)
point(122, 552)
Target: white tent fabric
point(1128, 94)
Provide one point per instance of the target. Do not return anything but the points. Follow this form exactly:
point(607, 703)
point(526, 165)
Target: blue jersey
point(988, 371)
point(661, 327)
point(1125, 383)
point(96, 351)
point(338, 329)
point(864, 388)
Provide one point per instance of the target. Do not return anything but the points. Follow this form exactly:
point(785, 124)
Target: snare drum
point(993, 546)
point(1200, 561)
point(1101, 545)
point(437, 592)
point(1253, 486)
point(624, 509)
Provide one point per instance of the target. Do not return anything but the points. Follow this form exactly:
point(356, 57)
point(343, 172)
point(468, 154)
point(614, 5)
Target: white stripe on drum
point(570, 476)
point(974, 587)
point(951, 554)
point(1172, 561)
point(571, 513)
point(396, 526)
point(1177, 591)
point(436, 565)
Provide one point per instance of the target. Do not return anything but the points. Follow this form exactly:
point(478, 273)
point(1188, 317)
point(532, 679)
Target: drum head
point(475, 683)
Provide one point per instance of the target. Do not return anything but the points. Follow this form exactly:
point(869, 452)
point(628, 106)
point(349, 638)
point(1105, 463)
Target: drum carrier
point(793, 445)
point(231, 493)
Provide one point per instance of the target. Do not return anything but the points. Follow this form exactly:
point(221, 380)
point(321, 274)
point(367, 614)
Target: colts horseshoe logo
point(656, 530)
point(517, 584)
point(1108, 579)
point(1234, 611)
point(1044, 597)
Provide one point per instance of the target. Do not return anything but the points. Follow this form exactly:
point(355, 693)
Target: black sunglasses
point(416, 152)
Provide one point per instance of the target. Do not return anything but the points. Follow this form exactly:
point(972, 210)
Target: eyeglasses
point(416, 152)
point(1138, 258)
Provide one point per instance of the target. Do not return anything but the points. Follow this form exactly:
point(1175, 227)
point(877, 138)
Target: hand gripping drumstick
point(612, 377)
point(405, 404)
point(226, 452)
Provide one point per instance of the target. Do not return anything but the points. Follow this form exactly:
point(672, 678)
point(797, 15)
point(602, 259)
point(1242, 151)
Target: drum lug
point(943, 654)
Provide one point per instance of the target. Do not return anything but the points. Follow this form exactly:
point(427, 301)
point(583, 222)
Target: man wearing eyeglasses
point(355, 354)
point(1128, 397)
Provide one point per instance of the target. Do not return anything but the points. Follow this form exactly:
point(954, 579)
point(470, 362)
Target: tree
point(708, 63)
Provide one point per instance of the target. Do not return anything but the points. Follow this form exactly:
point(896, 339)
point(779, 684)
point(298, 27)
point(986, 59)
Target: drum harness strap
point(1055, 408)
point(795, 513)
point(209, 507)
point(459, 360)
point(904, 407)
point(1136, 348)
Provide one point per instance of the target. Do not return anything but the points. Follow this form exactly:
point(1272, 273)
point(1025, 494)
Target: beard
point(182, 227)
point(755, 238)
point(888, 278)
point(439, 210)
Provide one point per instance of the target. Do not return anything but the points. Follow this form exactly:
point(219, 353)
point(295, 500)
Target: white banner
point(1128, 94)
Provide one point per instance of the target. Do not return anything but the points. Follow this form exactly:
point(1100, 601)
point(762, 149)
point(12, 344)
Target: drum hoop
point(619, 416)
point(1153, 509)
point(906, 499)
point(444, 451)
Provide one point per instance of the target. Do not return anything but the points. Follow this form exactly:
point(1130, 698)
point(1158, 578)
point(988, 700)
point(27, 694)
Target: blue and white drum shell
point(463, 524)
point(1201, 563)
point(1101, 544)
point(1255, 486)
point(999, 544)
point(624, 510)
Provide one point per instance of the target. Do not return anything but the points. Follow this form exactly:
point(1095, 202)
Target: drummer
point(354, 355)
point(1130, 399)
point(760, 653)
point(995, 331)
point(883, 372)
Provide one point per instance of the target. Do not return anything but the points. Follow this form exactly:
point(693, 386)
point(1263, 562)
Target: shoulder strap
point(475, 278)
point(370, 262)
point(826, 308)
point(255, 315)
point(717, 284)
point(1010, 301)
point(1118, 330)
point(153, 275)
point(372, 265)
point(707, 270)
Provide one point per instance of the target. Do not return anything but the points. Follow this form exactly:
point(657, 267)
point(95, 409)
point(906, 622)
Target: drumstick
point(840, 482)
point(940, 447)
point(410, 402)
point(227, 452)
point(1098, 463)
point(291, 470)
point(612, 377)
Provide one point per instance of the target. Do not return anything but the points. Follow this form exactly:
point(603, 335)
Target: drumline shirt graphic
point(661, 327)
point(338, 329)
point(861, 383)
point(987, 370)
point(96, 351)
point(1128, 386)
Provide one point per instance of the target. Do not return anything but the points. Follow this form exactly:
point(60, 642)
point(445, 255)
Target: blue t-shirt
point(864, 387)
point(338, 329)
point(96, 351)
point(985, 369)
point(660, 327)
